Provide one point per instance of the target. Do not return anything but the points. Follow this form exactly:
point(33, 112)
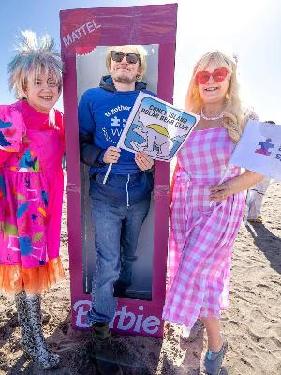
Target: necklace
point(211, 118)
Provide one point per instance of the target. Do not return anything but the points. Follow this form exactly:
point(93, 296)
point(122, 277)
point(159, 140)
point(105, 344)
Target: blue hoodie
point(103, 113)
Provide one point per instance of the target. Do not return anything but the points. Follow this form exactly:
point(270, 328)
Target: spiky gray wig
point(33, 55)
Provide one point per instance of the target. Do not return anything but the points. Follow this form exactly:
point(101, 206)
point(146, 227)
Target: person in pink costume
point(31, 187)
point(207, 204)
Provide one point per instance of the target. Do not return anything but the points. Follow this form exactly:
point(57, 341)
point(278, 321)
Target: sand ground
point(252, 324)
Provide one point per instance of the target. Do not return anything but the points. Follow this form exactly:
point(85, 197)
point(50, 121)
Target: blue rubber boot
point(213, 360)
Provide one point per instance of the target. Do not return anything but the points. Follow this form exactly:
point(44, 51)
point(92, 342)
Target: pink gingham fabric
point(202, 232)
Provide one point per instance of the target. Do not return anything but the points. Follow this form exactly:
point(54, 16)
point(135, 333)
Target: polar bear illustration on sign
point(156, 140)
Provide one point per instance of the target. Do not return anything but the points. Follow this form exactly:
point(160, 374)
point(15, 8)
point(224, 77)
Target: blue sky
point(249, 28)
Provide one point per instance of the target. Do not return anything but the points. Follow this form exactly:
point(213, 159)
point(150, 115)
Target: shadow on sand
point(268, 243)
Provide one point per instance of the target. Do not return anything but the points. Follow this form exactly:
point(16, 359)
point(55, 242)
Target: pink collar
point(32, 118)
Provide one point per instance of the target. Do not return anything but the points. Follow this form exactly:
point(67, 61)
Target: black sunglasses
point(131, 57)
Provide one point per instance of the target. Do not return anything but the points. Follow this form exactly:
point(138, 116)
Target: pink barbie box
point(85, 36)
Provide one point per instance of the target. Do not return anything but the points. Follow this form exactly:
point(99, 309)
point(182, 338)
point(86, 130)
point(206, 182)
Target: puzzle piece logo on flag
point(264, 147)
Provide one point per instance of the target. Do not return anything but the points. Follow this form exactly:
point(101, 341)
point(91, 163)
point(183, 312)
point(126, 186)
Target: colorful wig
point(130, 48)
point(33, 55)
point(233, 119)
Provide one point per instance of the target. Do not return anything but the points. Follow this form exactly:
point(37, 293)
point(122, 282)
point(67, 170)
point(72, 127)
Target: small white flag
point(259, 149)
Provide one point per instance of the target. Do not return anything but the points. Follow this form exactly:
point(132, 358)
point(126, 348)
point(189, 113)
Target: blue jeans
point(117, 228)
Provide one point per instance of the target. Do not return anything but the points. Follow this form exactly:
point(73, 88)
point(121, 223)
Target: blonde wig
point(129, 48)
point(233, 119)
point(32, 56)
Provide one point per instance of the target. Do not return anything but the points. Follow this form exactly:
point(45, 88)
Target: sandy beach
point(252, 325)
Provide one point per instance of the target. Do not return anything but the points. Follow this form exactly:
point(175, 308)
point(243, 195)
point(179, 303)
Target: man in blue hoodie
point(119, 206)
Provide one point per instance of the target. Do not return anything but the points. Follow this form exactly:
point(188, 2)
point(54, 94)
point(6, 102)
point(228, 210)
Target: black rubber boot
point(105, 355)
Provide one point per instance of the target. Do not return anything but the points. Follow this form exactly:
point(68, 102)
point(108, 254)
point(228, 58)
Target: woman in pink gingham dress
point(207, 205)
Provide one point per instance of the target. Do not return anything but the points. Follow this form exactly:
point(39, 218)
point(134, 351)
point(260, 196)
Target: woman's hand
point(111, 155)
point(220, 192)
point(144, 162)
point(235, 185)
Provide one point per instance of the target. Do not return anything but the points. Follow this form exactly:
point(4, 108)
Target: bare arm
point(234, 185)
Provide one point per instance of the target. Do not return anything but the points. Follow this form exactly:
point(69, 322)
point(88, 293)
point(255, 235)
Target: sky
point(250, 29)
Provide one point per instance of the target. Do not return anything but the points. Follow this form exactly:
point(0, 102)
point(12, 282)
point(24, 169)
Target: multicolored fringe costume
point(31, 192)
